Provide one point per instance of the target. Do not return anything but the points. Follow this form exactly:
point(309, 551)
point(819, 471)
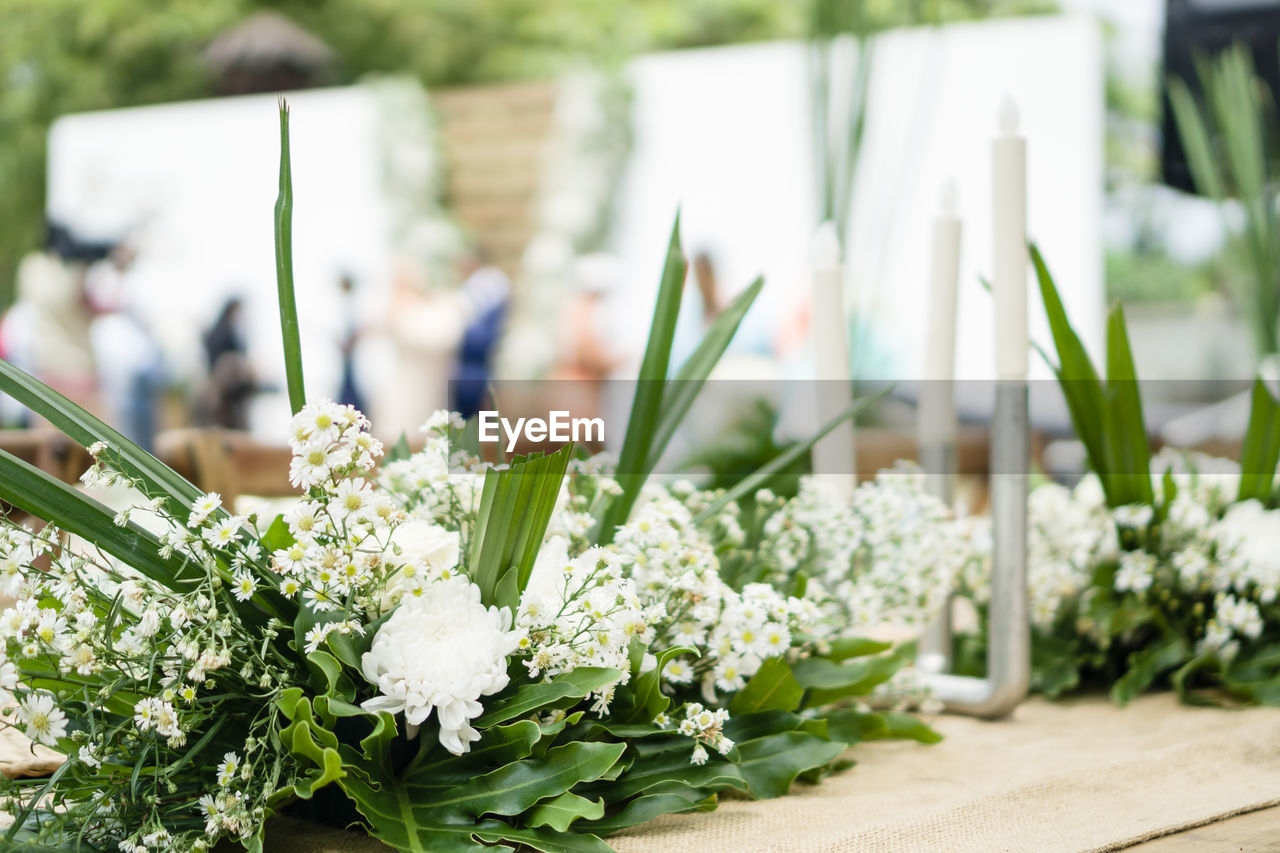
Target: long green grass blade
point(1260, 452)
point(158, 479)
point(284, 271)
point(1086, 400)
point(780, 462)
point(46, 497)
point(1128, 449)
point(646, 407)
point(689, 380)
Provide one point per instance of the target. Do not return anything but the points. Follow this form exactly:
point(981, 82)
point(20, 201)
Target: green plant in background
point(1231, 146)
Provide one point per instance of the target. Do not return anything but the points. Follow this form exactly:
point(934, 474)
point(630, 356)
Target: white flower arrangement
point(456, 653)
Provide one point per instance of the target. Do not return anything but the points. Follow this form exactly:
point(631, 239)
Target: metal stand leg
point(1009, 632)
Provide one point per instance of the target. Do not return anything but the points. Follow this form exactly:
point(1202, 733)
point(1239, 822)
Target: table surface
point(1256, 832)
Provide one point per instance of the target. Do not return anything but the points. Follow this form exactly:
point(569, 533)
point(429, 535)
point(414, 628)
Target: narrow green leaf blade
point(284, 271)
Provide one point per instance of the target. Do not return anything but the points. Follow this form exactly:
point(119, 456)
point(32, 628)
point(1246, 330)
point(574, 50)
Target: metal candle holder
point(1008, 625)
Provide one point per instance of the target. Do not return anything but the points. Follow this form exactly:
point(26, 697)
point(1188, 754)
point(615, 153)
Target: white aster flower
point(202, 507)
point(441, 651)
point(42, 720)
point(228, 769)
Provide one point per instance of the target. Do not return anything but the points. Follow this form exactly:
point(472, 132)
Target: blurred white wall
point(193, 186)
point(724, 133)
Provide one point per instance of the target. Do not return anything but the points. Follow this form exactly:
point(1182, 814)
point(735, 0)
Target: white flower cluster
point(579, 612)
point(677, 577)
point(706, 728)
point(888, 555)
point(1197, 546)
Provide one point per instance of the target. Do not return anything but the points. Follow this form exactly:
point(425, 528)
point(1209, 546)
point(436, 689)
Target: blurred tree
point(61, 56)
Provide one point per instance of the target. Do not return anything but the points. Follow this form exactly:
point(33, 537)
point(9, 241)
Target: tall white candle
point(1009, 281)
point(834, 454)
point(937, 404)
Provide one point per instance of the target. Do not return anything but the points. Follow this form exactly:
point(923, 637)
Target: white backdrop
point(724, 133)
point(194, 186)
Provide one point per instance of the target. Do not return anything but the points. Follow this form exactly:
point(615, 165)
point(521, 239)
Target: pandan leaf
point(284, 272)
point(646, 406)
point(1128, 451)
point(1260, 452)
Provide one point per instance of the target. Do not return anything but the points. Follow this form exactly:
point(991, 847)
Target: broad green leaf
point(650, 772)
point(548, 841)
point(907, 726)
point(560, 812)
point(549, 694)
point(1260, 452)
point(516, 787)
point(772, 688)
point(498, 745)
point(851, 726)
point(284, 272)
point(643, 699)
point(1145, 666)
point(770, 764)
point(828, 681)
point(670, 797)
point(843, 648)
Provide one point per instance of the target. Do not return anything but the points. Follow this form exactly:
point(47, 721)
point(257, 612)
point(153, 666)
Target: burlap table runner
point(1071, 776)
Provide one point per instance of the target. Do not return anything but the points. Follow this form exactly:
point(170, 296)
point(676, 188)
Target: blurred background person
point(486, 292)
point(349, 392)
point(231, 383)
point(130, 364)
point(52, 303)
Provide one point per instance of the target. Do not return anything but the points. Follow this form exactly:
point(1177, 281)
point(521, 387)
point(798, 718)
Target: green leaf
point(752, 482)
point(643, 699)
point(284, 272)
point(43, 496)
point(515, 508)
point(843, 648)
point(1260, 452)
point(646, 407)
point(770, 764)
point(907, 726)
point(772, 688)
point(851, 726)
point(1077, 377)
point(400, 451)
point(548, 694)
point(563, 810)
point(1129, 453)
point(672, 797)
point(689, 380)
point(83, 428)
point(548, 841)
point(516, 787)
point(1146, 666)
point(828, 681)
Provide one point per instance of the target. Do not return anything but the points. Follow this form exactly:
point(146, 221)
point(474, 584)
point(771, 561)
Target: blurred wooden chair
point(230, 463)
point(49, 450)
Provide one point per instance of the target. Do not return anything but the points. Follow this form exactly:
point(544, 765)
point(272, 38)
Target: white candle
point(1009, 281)
point(834, 454)
point(937, 405)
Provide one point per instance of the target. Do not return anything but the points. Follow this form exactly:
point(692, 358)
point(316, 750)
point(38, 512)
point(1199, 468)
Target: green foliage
point(284, 272)
point(515, 508)
point(1231, 146)
point(1107, 416)
point(1260, 451)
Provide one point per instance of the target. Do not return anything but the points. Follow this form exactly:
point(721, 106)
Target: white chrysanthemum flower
point(441, 651)
point(42, 720)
